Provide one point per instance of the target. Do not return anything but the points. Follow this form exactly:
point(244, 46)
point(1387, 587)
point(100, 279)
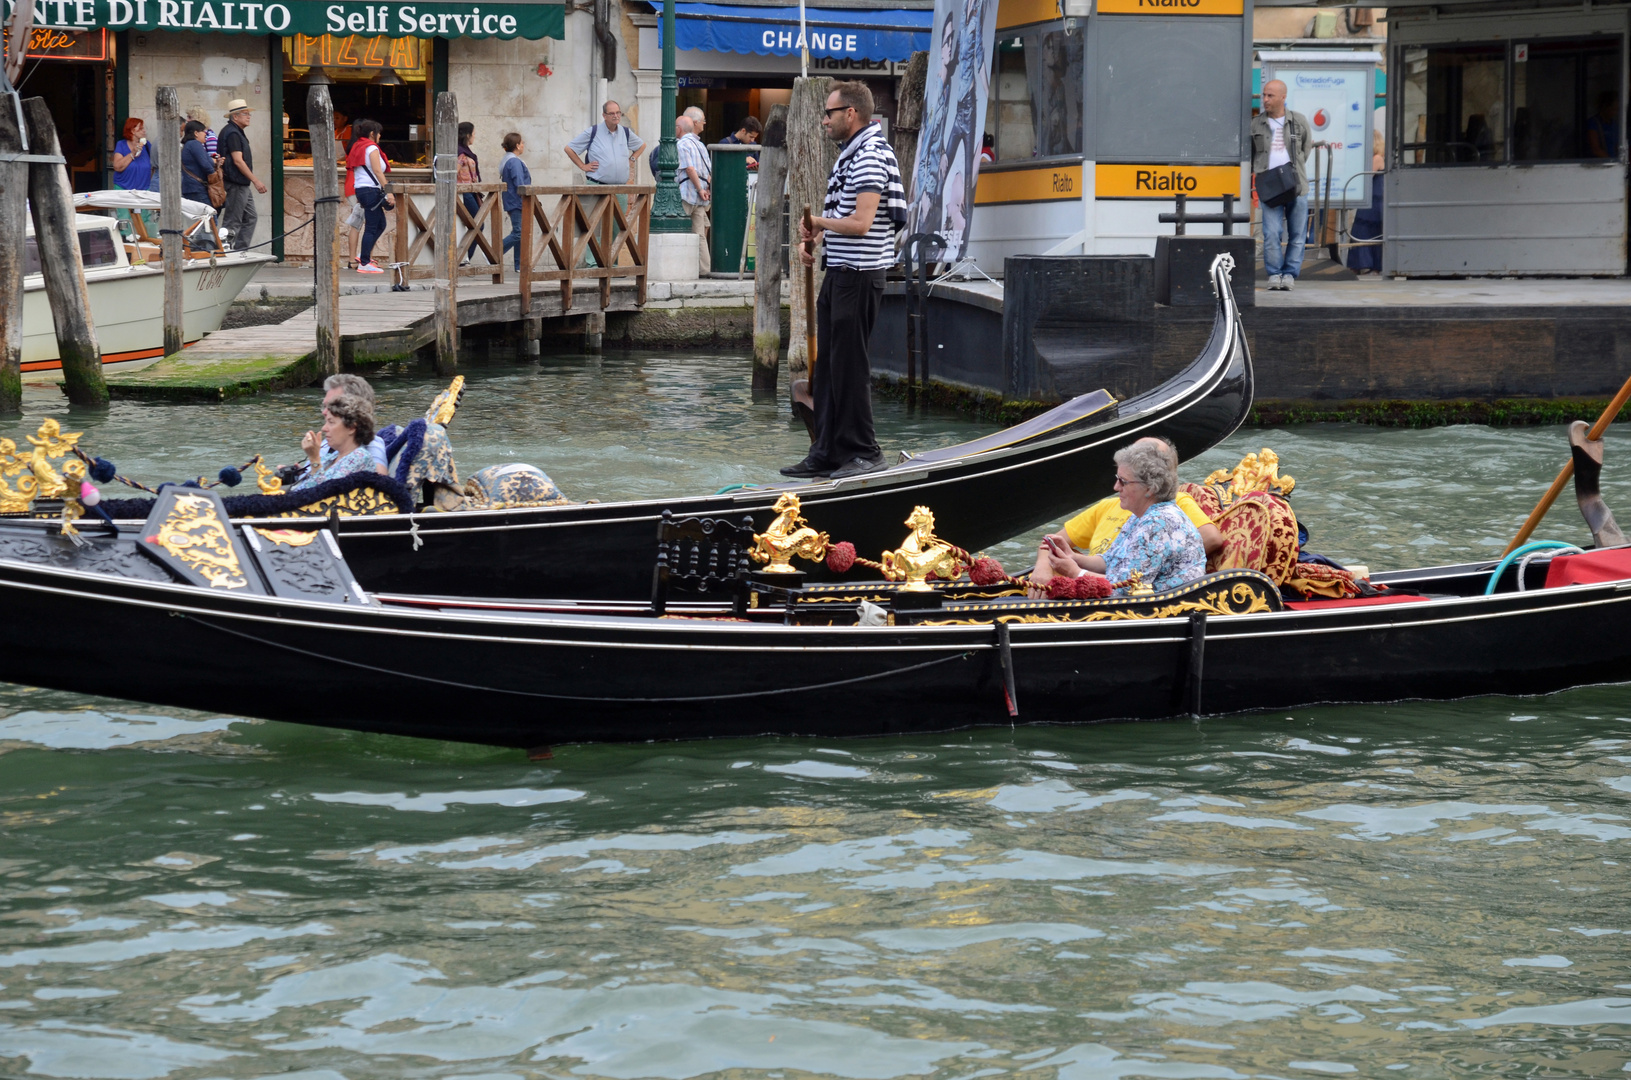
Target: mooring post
point(325, 223)
point(445, 170)
point(51, 200)
point(171, 222)
point(767, 262)
point(13, 225)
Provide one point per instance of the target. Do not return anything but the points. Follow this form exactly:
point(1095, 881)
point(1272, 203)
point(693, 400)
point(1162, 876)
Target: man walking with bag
point(1280, 143)
point(864, 209)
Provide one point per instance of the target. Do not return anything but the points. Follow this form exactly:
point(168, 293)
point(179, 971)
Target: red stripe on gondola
point(1352, 601)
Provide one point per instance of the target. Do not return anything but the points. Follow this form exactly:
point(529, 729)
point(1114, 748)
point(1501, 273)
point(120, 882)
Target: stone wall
point(209, 70)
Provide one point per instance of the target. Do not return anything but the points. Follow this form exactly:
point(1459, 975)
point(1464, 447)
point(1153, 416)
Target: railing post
point(445, 171)
point(609, 257)
point(644, 245)
point(404, 223)
point(528, 208)
point(566, 237)
point(496, 218)
point(325, 226)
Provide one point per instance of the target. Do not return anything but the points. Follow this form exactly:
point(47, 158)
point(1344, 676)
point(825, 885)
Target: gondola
point(193, 610)
point(984, 491)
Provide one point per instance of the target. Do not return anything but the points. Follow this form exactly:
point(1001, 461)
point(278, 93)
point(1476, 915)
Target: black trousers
point(845, 311)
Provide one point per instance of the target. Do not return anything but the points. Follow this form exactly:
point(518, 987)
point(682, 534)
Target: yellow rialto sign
point(1029, 185)
point(1171, 7)
point(1164, 181)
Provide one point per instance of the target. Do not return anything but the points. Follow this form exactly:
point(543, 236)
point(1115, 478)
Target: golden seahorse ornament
point(921, 554)
point(788, 535)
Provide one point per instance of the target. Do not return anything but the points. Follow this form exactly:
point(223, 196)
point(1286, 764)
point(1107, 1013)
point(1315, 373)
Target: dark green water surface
point(1412, 890)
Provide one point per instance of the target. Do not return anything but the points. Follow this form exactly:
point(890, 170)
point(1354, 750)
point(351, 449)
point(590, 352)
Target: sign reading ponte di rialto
point(396, 18)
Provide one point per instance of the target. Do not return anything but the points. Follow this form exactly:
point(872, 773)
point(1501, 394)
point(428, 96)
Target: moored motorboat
point(125, 283)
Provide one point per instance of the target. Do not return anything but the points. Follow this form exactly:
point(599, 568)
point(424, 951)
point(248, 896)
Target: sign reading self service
point(312, 17)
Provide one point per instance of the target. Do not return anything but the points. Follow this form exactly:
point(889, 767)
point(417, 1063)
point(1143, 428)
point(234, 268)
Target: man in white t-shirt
point(1281, 137)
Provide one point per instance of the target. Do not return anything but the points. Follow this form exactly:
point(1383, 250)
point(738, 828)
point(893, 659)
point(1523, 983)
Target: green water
point(1414, 891)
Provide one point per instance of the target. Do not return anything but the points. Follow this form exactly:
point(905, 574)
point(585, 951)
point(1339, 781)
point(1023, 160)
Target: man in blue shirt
point(515, 174)
point(695, 176)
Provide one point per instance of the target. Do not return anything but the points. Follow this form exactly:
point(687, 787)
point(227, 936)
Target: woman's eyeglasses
point(1123, 483)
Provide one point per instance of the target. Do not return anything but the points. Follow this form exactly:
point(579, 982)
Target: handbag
point(1277, 187)
point(215, 183)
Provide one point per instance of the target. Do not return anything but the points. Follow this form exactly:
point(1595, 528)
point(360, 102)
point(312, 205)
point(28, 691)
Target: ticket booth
point(1101, 114)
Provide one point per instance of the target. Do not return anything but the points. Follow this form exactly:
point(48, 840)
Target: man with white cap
point(238, 216)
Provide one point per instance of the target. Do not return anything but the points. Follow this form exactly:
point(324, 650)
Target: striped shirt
point(866, 163)
point(693, 155)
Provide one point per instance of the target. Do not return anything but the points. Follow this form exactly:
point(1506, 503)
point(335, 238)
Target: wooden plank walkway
point(374, 328)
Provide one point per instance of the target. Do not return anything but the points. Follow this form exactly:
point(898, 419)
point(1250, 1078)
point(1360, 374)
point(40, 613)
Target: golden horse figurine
point(788, 535)
point(921, 554)
point(1256, 472)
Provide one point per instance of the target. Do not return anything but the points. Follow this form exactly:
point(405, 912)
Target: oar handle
point(1546, 501)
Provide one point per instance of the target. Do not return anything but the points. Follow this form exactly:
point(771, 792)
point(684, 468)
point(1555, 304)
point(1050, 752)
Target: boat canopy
point(118, 199)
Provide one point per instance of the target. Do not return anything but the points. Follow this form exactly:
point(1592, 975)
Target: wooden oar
point(803, 389)
point(1556, 489)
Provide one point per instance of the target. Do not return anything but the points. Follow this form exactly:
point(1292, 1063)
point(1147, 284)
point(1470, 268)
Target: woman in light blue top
point(1158, 541)
point(348, 425)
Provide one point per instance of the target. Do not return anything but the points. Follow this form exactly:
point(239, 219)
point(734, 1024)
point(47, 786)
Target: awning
point(387, 18)
point(774, 31)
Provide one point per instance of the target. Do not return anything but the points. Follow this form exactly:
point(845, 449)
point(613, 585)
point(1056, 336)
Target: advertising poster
point(954, 101)
point(1338, 104)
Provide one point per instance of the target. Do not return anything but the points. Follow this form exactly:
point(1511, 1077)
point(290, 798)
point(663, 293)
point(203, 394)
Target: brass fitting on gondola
point(447, 403)
point(36, 477)
point(788, 535)
point(922, 553)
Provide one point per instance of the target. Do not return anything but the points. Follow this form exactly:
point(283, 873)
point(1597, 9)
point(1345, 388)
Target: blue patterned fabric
point(1162, 545)
point(358, 460)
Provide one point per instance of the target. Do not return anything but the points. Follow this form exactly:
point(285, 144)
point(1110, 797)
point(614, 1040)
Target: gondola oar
point(1567, 471)
point(804, 389)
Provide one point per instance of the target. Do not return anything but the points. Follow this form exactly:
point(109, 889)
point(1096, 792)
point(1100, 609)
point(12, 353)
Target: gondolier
point(864, 209)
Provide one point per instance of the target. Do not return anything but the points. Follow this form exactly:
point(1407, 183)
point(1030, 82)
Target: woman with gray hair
point(1159, 541)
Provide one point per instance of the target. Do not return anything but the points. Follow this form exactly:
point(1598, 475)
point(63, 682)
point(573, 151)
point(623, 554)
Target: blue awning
point(774, 31)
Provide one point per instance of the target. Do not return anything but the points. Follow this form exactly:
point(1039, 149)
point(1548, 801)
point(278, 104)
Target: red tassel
point(840, 557)
point(987, 571)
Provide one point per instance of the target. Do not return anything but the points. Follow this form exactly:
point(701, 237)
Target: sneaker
point(859, 467)
point(807, 468)
point(369, 268)
point(1286, 282)
point(1274, 282)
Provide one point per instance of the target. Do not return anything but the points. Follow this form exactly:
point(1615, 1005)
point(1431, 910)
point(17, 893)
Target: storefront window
point(1566, 100)
point(1454, 105)
point(1036, 96)
point(374, 78)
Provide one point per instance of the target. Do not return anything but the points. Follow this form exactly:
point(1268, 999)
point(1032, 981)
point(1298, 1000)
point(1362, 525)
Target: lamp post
point(667, 215)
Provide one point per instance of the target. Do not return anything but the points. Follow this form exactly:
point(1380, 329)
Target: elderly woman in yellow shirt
point(1091, 532)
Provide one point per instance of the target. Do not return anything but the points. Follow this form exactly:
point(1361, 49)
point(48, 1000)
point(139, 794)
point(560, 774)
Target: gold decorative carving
point(35, 477)
point(1136, 585)
point(363, 500)
point(1256, 472)
point(289, 537)
point(788, 535)
point(921, 554)
point(267, 479)
point(195, 536)
point(1236, 598)
point(446, 404)
point(73, 472)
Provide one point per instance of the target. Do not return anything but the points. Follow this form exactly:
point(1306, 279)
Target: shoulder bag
point(216, 184)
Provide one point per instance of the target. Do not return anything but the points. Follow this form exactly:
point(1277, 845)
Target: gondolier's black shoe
point(858, 467)
point(807, 468)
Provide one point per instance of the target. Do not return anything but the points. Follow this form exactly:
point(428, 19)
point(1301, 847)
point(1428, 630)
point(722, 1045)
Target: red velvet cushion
point(1352, 601)
point(1590, 568)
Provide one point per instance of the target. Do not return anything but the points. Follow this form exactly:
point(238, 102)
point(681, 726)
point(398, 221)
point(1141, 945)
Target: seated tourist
point(1158, 540)
point(357, 386)
point(1091, 531)
point(348, 428)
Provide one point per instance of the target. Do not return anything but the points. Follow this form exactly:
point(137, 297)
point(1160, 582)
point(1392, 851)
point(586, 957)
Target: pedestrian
point(196, 164)
point(133, 164)
point(606, 152)
point(515, 174)
point(238, 216)
point(746, 135)
point(696, 192)
point(864, 210)
point(469, 167)
point(203, 117)
point(698, 118)
point(365, 169)
point(1281, 138)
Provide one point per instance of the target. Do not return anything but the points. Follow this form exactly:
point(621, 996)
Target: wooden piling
point(13, 225)
point(445, 170)
point(168, 105)
point(51, 200)
point(325, 225)
point(767, 263)
point(810, 157)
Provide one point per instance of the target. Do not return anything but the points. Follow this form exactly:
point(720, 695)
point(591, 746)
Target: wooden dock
point(375, 328)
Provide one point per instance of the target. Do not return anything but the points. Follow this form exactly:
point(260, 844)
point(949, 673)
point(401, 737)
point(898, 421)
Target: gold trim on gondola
point(196, 537)
point(267, 479)
point(1235, 598)
point(447, 403)
point(788, 535)
point(1255, 472)
point(922, 553)
point(289, 537)
point(362, 500)
point(36, 478)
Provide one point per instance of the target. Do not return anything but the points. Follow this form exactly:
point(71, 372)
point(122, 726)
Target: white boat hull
point(127, 308)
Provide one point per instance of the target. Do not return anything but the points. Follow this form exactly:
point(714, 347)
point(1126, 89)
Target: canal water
point(1419, 890)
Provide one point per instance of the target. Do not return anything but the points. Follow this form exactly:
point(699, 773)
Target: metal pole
point(667, 215)
point(168, 104)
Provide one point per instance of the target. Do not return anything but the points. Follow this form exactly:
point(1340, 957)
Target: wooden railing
point(584, 232)
point(482, 231)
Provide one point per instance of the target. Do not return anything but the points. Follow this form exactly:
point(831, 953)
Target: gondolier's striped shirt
point(866, 163)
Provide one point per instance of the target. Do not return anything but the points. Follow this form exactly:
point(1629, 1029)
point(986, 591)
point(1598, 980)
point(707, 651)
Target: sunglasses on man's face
point(835, 108)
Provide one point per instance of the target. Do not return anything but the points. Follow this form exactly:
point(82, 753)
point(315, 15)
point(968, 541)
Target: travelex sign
point(310, 17)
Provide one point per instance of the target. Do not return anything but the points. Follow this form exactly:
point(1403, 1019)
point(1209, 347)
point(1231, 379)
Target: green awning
point(393, 18)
